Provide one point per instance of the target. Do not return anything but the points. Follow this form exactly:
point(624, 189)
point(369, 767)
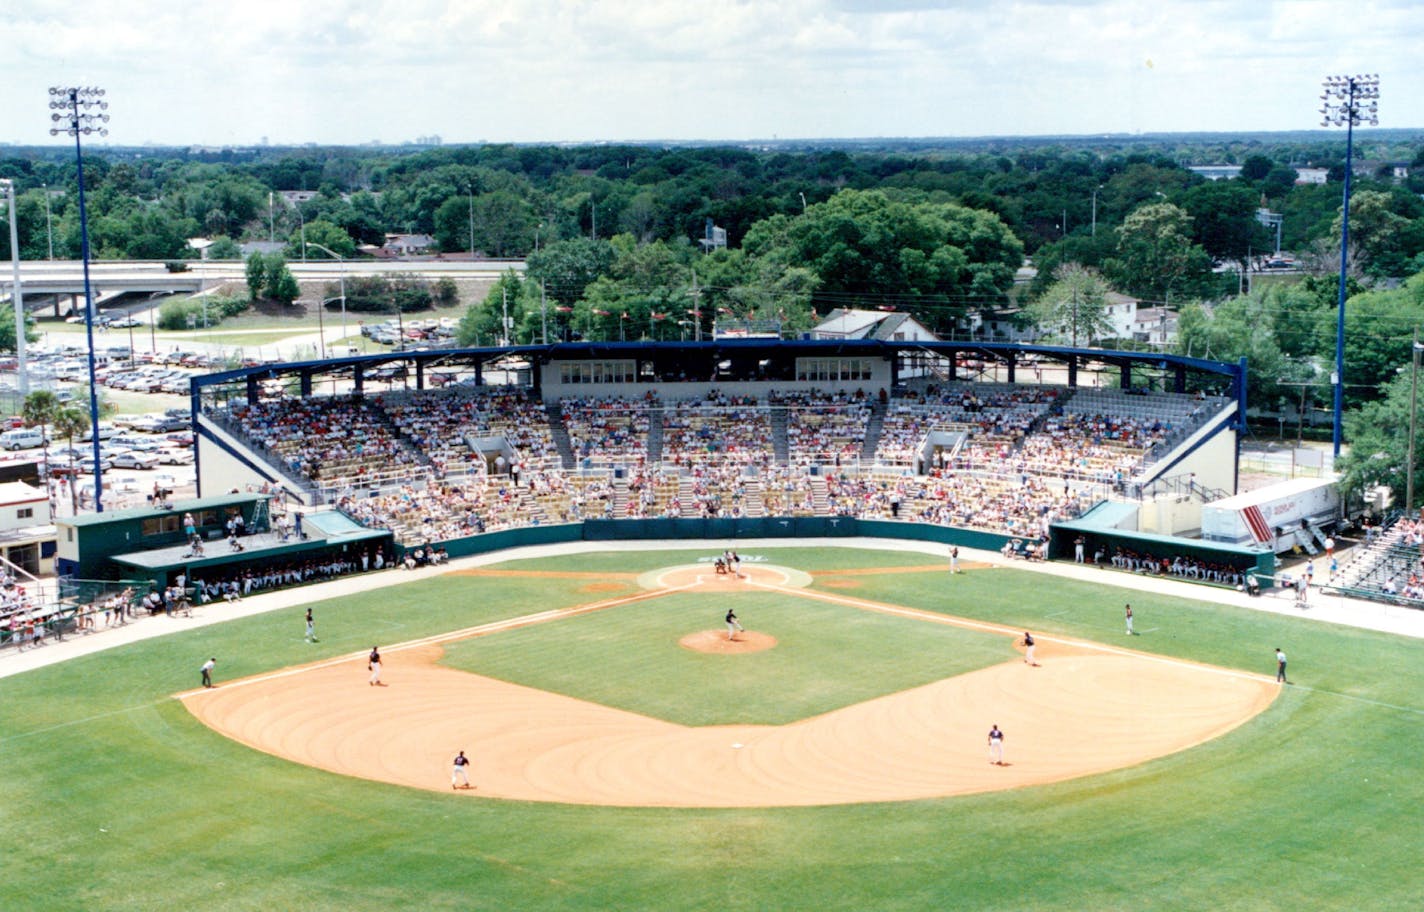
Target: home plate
point(737, 746)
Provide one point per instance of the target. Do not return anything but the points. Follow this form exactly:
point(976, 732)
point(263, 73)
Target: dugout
point(150, 543)
point(1098, 532)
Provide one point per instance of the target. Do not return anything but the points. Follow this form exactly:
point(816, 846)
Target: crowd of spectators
point(328, 439)
point(717, 427)
point(824, 427)
point(608, 429)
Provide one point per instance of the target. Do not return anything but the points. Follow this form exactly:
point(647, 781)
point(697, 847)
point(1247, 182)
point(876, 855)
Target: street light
point(1346, 101)
point(49, 225)
point(17, 292)
point(471, 188)
point(84, 113)
point(341, 278)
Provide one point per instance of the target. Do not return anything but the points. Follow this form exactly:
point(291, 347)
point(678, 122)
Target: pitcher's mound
point(716, 642)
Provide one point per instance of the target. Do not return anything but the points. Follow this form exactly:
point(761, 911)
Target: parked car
point(180, 438)
point(86, 465)
point(133, 459)
point(174, 456)
point(22, 438)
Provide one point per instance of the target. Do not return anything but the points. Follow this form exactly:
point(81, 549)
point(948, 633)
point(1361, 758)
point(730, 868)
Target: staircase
point(820, 503)
point(873, 427)
point(780, 449)
point(621, 496)
point(655, 436)
point(686, 499)
point(560, 433)
point(753, 506)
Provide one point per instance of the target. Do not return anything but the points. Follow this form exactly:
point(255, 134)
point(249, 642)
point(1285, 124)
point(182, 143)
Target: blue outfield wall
point(613, 530)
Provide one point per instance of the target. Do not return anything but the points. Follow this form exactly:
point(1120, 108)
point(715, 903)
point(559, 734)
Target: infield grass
point(120, 800)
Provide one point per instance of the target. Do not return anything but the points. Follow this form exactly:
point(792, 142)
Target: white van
point(22, 438)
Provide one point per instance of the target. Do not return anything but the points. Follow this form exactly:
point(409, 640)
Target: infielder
point(733, 625)
point(996, 746)
point(458, 776)
point(1028, 648)
point(373, 663)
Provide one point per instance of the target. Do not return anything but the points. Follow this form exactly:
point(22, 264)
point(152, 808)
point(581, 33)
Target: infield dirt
point(1086, 708)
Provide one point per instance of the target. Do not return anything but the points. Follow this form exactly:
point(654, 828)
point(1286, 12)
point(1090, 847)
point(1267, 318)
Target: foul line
point(527, 620)
point(955, 621)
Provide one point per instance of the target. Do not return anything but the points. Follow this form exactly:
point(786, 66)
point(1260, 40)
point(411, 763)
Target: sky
point(346, 72)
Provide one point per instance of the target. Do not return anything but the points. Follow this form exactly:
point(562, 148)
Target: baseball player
point(1281, 667)
point(996, 746)
point(1129, 620)
point(1028, 648)
point(459, 778)
point(373, 664)
point(733, 625)
point(311, 627)
point(212, 663)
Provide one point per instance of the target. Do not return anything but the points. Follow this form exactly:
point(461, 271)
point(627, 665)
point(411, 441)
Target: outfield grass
point(119, 799)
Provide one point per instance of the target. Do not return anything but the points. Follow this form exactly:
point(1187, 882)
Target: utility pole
point(1413, 423)
point(504, 320)
point(696, 308)
point(543, 313)
point(472, 222)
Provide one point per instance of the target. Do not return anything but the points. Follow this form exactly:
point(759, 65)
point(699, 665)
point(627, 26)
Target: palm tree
point(39, 409)
point(71, 421)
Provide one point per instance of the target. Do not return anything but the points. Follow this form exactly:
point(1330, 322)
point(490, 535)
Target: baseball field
point(626, 755)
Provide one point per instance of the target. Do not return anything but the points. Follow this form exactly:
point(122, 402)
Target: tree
point(256, 275)
point(39, 410)
point(224, 248)
point(1074, 307)
point(481, 323)
point(1379, 327)
point(1379, 441)
point(930, 258)
point(1223, 217)
point(565, 268)
point(7, 332)
point(1155, 254)
point(1375, 230)
point(70, 423)
point(1255, 168)
point(281, 286)
point(320, 231)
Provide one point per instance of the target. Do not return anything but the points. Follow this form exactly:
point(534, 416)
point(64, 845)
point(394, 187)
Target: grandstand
point(743, 430)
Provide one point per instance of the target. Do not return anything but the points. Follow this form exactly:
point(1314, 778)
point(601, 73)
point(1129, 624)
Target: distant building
point(1311, 175)
point(27, 533)
point(1154, 326)
point(848, 323)
point(398, 245)
point(1216, 172)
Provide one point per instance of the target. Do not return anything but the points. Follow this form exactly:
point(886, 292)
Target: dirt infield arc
point(1087, 708)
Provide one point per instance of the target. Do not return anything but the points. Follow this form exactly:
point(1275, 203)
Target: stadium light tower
point(80, 112)
point(1346, 101)
point(17, 292)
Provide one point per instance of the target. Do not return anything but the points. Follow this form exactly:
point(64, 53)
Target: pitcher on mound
point(733, 625)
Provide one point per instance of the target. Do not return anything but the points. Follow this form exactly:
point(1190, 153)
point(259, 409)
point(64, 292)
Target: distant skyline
point(345, 73)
